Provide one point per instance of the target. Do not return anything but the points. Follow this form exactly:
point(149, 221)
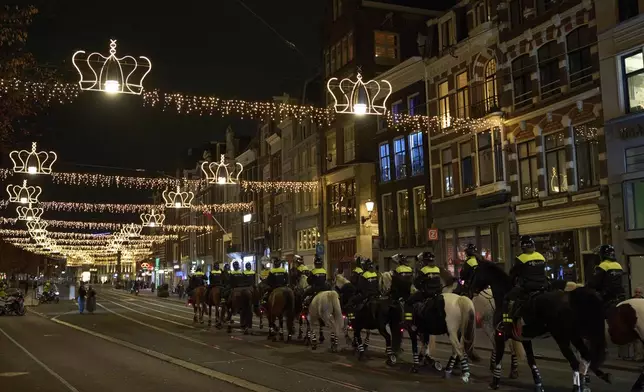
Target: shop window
point(400, 158)
point(549, 69)
point(463, 238)
point(307, 239)
point(420, 215)
point(633, 69)
point(556, 172)
point(387, 221)
point(528, 173)
point(342, 202)
point(443, 105)
point(385, 162)
point(467, 166)
point(634, 204)
point(634, 159)
point(522, 81)
point(416, 151)
point(587, 156)
point(403, 218)
point(447, 172)
point(485, 157)
point(580, 66)
point(560, 254)
point(462, 96)
point(485, 239)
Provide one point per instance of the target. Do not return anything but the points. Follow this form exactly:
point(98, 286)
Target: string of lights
point(70, 241)
point(44, 93)
point(88, 236)
point(133, 208)
point(279, 186)
point(107, 225)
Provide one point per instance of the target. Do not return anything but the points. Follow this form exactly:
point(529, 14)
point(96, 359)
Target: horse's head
point(485, 275)
point(340, 281)
point(385, 281)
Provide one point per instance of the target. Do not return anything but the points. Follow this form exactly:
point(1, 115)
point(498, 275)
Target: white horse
point(325, 307)
point(460, 319)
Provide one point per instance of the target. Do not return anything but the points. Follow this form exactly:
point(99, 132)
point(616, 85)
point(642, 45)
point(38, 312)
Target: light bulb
point(30, 218)
point(359, 108)
point(152, 224)
point(177, 205)
point(221, 180)
point(23, 200)
point(112, 86)
point(32, 169)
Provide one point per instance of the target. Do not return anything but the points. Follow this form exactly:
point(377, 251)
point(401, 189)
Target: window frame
point(480, 151)
point(462, 93)
point(400, 169)
point(524, 75)
point(403, 237)
point(411, 104)
point(450, 40)
point(549, 74)
point(443, 105)
point(340, 218)
point(530, 156)
point(491, 82)
point(625, 79)
point(556, 151)
point(638, 154)
point(385, 47)
point(628, 197)
point(334, 154)
point(462, 159)
point(381, 158)
point(387, 218)
point(416, 148)
point(592, 155)
point(449, 166)
point(582, 53)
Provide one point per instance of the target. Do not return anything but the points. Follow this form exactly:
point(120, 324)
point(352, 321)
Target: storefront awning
point(560, 219)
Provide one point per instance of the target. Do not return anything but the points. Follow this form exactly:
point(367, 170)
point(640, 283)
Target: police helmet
point(367, 264)
point(236, 265)
point(277, 262)
point(470, 250)
point(248, 266)
point(199, 269)
point(317, 262)
point(607, 252)
point(216, 265)
point(226, 267)
point(426, 257)
point(527, 243)
point(299, 260)
point(399, 259)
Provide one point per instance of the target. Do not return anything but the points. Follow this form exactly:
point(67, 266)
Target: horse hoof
point(391, 360)
point(360, 355)
point(514, 374)
point(414, 369)
point(438, 366)
point(466, 378)
point(334, 348)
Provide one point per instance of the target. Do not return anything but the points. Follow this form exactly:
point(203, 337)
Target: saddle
point(430, 315)
point(522, 307)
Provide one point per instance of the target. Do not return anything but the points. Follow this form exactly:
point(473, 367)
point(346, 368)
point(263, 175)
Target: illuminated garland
point(44, 93)
point(106, 225)
point(93, 248)
point(102, 180)
point(134, 208)
point(439, 124)
point(68, 241)
point(279, 186)
point(60, 234)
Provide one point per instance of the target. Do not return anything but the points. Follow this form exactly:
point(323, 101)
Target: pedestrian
point(82, 294)
point(91, 300)
point(638, 293)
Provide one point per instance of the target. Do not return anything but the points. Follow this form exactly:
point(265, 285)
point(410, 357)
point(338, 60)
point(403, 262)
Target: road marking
point(175, 361)
point(39, 362)
point(13, 374)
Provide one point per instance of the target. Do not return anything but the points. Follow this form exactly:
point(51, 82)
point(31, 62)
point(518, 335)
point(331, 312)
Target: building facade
point(621, 66)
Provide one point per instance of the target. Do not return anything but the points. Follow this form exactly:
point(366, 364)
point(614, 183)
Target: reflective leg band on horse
point(450, 364)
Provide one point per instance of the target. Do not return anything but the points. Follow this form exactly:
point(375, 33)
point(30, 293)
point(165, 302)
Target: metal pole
point(118, 267)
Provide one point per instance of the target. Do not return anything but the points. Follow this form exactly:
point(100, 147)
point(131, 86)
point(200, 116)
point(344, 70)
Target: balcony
point(485, 107)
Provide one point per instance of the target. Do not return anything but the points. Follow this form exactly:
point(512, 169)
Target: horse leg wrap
point(496, 373)
point(465, 366)
point(576, 379)
point(334, 338)
point(366, 341)
point(493, 360)
point(314, 338)
point(536, 376)
point(450, 364)
point(361, 348)
point(389, 351)
point(416, 359)
point(514, 362)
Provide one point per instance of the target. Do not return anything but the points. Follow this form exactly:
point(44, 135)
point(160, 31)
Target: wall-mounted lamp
point(369, 205)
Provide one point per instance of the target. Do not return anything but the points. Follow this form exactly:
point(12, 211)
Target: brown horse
point(241, 302)
point(214, 299)
point(198, 300)
point(281, 305)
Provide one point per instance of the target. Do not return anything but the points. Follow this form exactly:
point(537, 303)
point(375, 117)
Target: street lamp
point(369, 205)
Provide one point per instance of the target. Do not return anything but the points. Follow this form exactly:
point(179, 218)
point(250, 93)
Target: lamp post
point(369, 205)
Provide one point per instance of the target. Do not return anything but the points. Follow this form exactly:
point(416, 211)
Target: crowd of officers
point(529, 273)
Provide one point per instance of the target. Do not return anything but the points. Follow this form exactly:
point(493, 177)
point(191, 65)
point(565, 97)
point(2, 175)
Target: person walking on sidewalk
point(82, 294)
point(91, 300)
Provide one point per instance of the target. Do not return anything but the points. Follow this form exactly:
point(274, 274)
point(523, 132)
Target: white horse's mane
point(340, 281)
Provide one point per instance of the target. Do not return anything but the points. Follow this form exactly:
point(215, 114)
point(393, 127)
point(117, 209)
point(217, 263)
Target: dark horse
point(240, 302)
point(569, 317)
point(375, 314)
point(280, 306)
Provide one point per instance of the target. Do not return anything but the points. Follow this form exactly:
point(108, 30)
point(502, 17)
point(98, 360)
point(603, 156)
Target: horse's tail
point(584, 303)
point(336, 319)
point(468, 323)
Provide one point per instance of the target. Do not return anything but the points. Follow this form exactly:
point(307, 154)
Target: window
point(296, 164)
point(491, 98)
point(528, 170)
point(342, 202)
point(634, 159)
point(298, 202)
point(307, 239)
point(481, 14)
point(446, 34)
point(634, 204)
point(544, 6)
point(556, 162)
point(306, 200)
point(413, 105)
point(385, 163)
point(498, 154)
point(580, 66)
point(462, 96)
point(349, 143)
point(448, 174)
point(400, 158)
point(337, 9)
point(403, 218)
point(549, 69)
point(350, 43)
point(485, 157)
point(388, 220)
point(327, 64)
point(633, 68)
point(522, 81)
point(338, 56)
point(416, 150)
point(315, 199)
point(345, 51)
point(276, 166)
point(420, 215)
point(627, 9)
point(330, 151)
point(396, 110)
point(587, 156)
point(467, 166)
point(443, 105)
point(516, 13)
point(386, 45)
point(332, 65)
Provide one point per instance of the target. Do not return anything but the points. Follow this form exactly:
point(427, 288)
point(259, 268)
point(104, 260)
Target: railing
point(523, 100)
point(550, 89)
point(581, 77)
point(483, 108)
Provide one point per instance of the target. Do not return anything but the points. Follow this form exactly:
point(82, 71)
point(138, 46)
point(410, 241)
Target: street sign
point(432, 234)
point(319, 249)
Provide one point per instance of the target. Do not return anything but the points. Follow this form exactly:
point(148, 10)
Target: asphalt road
point(153, 343)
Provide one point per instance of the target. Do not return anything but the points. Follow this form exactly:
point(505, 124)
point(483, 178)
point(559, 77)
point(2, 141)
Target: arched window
point(549, 69)
point(491, 97)
point(580, 66)
point(522, 69)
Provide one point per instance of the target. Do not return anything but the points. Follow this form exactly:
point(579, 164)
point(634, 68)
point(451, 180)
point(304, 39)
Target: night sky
point(197, 47)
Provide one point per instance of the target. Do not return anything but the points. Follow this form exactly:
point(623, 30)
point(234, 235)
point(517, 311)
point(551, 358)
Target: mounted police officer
point(196, 280)
point(529, 272)
point(428, 281)
point(276, 278)
point(368, 286)
point(357, 270)
point(607, 279)
point(300, 267)
point(316, 280)
point(216, 278)
point(469, 266)
point(249, 275)
point(235, 276)
point(401, 281)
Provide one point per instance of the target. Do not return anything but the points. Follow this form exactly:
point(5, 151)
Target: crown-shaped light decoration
point(44, 242)
point(37, 228)
point(178, 199)
point(219, 172)
point(152, 219)
point(111, 74)
point(131, 231)
point(29, 213)
point(359, 97)
point(23, 194)
point(32, 162)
